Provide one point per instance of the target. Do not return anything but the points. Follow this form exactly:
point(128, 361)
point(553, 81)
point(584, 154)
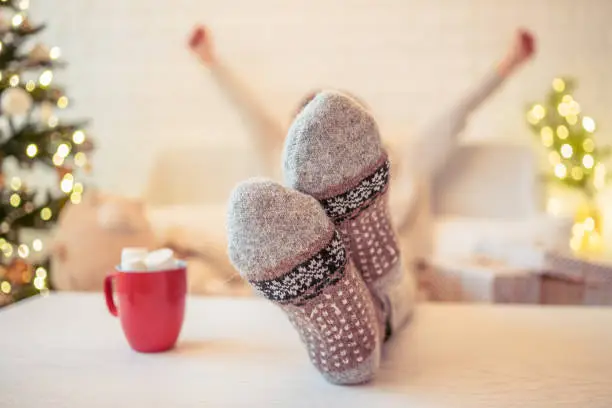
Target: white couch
point(488, 196)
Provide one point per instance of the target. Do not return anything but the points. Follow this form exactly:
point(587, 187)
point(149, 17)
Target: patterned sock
point(284, 245)
point(334, 153)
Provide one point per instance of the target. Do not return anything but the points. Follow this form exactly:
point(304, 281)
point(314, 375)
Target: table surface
point(65, 350)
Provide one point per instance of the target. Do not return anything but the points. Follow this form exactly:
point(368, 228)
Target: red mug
point(151, 306)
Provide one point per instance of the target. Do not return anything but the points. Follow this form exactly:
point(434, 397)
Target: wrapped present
point(594, 269)
point(520, 274)
point(482, 279)
point(577, 279)
point(555, 291)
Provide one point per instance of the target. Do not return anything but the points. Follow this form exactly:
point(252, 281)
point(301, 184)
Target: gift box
point(481, 279)
point(571, 279)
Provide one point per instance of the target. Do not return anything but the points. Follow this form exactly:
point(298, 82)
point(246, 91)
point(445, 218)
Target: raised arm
point(267, 130)
point(427, 154)
point(521, 49)
point(419, 159)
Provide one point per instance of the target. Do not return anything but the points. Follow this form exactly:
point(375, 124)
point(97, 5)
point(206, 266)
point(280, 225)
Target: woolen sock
point(284, 245)
point(334, 153)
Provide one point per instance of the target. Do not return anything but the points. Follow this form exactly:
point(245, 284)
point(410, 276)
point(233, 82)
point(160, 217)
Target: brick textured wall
point(129, 69)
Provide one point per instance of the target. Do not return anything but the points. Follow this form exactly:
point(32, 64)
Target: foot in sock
point(334, 153)
point(286, 247)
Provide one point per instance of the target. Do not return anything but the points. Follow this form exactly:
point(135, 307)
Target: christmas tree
point(577, 160)
point(32, 136)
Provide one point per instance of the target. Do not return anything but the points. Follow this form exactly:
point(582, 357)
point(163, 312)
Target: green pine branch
point(12, 4)
point(47, 141)
point(23, 213)
point(28, 140)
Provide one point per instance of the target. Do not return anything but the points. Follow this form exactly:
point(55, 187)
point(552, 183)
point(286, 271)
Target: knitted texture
point(334, 153)
point(284, 245)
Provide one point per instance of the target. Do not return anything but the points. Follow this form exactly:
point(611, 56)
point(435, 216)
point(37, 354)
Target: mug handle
point(108, 294)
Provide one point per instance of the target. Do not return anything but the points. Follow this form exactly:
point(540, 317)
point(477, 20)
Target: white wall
point(130, 71)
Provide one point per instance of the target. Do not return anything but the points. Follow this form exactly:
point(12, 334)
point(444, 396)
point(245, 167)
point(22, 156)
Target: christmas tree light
point(577, 162)
point(560, 126)
point(29, 98)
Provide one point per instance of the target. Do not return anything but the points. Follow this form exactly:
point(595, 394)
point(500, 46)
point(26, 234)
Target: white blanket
point(197, 233)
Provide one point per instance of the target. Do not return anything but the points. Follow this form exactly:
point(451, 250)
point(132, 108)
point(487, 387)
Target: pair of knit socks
point(322, 247)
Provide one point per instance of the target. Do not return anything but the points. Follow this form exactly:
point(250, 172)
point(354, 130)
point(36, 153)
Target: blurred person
point(414, 160)
point(335, 246)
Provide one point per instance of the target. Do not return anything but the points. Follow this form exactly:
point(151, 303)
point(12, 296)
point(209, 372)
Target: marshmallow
point(129, 253)
point(132, 259)
point(134, 264)
point(160, 259)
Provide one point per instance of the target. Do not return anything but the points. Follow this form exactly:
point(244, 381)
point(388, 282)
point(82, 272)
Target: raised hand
point(201, 44)
point(523, 46)
point(521, 50)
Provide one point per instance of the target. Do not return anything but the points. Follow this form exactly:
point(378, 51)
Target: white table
point(67, 351)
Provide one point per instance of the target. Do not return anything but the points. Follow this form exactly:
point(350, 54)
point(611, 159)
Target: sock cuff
point(349, 204)
point(306, 280)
